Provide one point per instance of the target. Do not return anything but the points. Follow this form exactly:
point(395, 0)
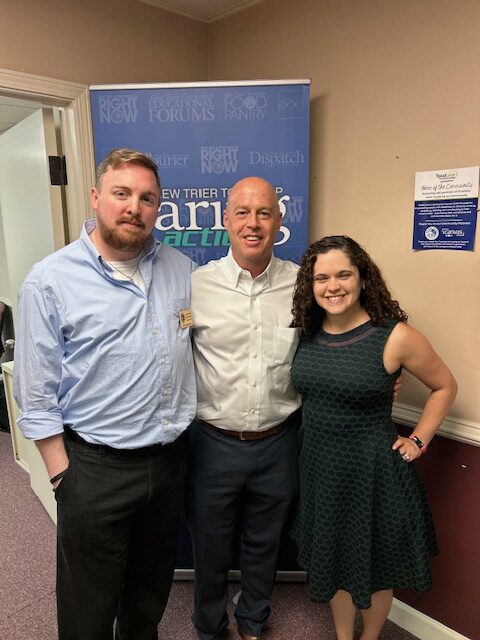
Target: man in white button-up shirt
point(242, 447)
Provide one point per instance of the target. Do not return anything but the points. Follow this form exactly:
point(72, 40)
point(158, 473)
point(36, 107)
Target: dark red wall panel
point(450, 471)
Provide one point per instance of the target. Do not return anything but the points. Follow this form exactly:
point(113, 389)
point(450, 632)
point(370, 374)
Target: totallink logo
point(219, 159)
point(173, 107)
point(245, 106)
point(118, 109)
point(446, 176)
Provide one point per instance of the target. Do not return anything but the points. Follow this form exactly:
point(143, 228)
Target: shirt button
point(252, 411)
point(254, 355)
point(154, 331)
point(254, 384)
point(165, 422)
point(165, 392)
point(255, 327)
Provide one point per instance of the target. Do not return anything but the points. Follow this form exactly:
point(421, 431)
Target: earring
point(363, 286)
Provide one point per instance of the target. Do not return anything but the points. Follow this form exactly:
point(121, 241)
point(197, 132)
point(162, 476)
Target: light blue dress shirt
point(99, 354)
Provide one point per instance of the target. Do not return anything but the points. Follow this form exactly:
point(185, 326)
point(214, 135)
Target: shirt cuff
point(37, 425)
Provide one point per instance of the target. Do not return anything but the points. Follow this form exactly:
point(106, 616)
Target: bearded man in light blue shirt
point(105, 383)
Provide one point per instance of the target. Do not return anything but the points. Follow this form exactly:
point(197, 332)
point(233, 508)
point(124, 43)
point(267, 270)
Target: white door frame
point(76, 130)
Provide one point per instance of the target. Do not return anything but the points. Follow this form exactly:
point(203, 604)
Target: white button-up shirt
point(243, 344)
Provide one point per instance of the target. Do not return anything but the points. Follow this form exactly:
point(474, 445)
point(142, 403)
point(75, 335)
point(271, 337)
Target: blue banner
point(205, 137)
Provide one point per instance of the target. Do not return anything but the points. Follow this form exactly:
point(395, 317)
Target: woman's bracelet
point(59, 476)
point(421, 445)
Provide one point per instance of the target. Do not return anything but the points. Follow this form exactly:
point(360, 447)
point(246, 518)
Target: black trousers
point(245, 486)
point(118, 516)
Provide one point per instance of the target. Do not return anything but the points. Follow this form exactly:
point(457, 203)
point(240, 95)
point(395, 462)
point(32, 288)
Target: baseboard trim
point(420, 625)
point(454, 428)
point(234, 575)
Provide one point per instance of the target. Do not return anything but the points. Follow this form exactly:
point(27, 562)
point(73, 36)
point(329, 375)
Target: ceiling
point(204, 10)
point(13, 110)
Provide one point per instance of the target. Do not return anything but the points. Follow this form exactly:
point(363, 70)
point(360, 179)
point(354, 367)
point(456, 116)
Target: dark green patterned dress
point(363, 522)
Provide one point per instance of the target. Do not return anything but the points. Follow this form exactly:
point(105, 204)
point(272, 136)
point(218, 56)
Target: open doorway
point(14, 111)
point(71, 101)
point(21, 94)
point(67, 105)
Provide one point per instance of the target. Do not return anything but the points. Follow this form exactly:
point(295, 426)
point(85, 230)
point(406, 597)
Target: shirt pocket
point(285, 342)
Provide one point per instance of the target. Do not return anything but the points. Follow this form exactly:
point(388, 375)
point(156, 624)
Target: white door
point(31, 227)
point(31, 216)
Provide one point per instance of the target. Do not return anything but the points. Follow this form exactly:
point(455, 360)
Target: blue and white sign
point(206, 136)
point(446, 204)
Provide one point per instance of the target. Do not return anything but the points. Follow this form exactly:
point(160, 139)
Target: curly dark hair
point(375, 298)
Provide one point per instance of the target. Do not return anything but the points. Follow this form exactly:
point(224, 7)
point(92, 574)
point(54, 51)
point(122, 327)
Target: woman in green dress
point(363, 526)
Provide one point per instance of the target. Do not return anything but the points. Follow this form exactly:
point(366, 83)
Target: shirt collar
point(235, 271)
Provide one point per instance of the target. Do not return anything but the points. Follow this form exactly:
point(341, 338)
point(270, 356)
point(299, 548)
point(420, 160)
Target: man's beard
point(120, 238)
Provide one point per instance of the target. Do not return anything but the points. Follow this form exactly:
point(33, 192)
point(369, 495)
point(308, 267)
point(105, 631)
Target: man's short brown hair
point(116, 157)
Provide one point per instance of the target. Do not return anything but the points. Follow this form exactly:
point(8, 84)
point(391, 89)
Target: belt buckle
point(241, 436)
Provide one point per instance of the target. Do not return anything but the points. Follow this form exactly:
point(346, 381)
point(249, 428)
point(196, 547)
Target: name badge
point(185, 317)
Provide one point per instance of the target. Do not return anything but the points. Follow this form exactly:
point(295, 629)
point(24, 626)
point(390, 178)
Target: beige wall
point(96, 42)
point(394, 91)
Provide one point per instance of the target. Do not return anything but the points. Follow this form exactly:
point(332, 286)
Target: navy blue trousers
point(237, 486)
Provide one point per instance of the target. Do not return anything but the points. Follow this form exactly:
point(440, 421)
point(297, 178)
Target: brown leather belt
point(249, 435)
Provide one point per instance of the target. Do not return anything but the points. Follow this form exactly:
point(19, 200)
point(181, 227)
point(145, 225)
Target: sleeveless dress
point(363, 522)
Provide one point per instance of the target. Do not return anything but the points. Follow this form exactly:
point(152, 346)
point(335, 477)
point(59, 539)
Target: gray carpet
point(27, 578)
